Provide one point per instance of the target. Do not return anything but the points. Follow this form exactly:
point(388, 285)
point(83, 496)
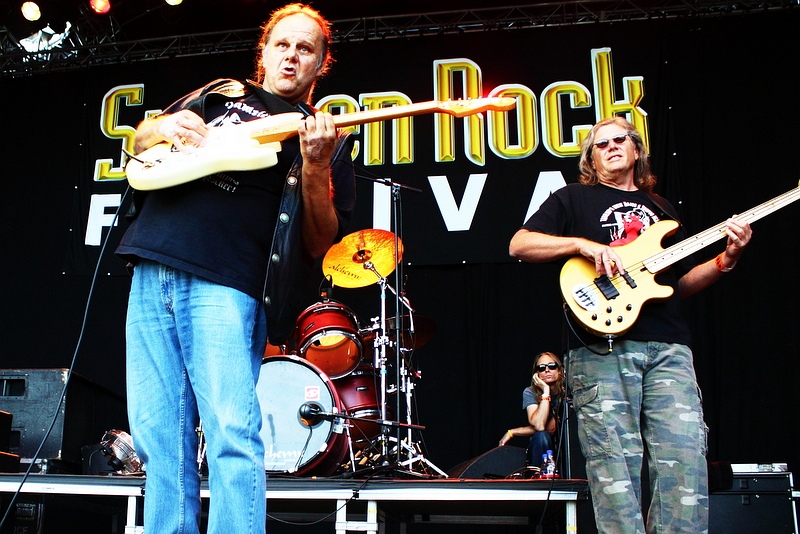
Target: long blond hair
point(642, 175)
point(557, 388)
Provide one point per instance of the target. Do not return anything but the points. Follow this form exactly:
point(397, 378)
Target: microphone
point(310, 413)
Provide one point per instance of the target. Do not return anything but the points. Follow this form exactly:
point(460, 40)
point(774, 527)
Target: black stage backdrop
point(717, 98)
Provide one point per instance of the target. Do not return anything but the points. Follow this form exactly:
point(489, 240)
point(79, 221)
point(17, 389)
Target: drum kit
point(328, 403)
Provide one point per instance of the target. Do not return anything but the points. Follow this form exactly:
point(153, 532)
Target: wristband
point(721, 266)
point(510, 433)
point(544, 398)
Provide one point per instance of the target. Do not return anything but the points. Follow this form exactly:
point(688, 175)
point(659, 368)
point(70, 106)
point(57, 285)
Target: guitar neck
point(283, 126)
point(387, 113)
point(665, 258)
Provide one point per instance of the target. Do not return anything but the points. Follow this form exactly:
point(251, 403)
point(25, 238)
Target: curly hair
point(643, 177)
point(326, 59)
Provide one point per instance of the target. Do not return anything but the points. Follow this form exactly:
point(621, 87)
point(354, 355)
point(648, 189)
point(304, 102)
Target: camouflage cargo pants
point(639, 401)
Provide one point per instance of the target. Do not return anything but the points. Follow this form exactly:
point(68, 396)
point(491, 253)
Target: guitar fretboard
point(665, 258)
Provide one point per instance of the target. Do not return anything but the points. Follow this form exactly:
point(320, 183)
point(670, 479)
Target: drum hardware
point(361, 259)
point(414, 454)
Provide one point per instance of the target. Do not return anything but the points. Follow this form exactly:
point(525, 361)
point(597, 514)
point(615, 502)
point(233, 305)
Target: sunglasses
point(542, 366)
point(618, 139)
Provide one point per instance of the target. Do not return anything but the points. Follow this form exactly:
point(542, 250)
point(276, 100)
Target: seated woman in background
point(542, 402)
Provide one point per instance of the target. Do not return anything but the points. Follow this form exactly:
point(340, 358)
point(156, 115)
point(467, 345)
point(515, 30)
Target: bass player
point(636, 396)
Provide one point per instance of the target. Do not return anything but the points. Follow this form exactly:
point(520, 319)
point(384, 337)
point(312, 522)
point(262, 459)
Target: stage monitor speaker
point(5, 430)
point(496, 463)
point(32, 396)
point(755, 502)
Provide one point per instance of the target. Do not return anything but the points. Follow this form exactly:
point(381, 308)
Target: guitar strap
point(664, 206)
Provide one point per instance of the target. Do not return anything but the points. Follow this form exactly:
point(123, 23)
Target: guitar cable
point(78, 344)
point(565, 309)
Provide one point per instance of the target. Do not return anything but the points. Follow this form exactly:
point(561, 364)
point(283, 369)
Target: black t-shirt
point(615, 217)
point(220, 227)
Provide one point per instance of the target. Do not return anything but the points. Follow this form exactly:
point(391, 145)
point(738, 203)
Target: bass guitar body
point(609, 306)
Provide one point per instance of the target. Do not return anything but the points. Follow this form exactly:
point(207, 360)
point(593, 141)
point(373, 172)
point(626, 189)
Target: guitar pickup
point(629, 279)
point(606, 287)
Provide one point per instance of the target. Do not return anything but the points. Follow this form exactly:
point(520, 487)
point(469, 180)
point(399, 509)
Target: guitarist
point(215, 264)
point(641, 399)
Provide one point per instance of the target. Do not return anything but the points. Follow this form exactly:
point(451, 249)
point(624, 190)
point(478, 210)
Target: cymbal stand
point(381, 341)
point(412, 449)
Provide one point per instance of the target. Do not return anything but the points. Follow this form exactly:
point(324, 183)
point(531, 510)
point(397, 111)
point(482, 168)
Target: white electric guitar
point(254, 145)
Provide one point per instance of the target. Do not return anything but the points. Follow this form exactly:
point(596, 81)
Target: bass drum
point(285, 384)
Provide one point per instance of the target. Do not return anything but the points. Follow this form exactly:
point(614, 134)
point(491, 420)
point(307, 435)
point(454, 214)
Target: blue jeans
point(642, 401)
point(538, 445)
point(194, 351)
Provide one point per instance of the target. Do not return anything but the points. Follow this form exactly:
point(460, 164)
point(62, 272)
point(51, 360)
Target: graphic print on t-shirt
point(625, 221)
point(229, 115)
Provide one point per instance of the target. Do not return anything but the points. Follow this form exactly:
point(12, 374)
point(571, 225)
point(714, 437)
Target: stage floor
point(362, 505)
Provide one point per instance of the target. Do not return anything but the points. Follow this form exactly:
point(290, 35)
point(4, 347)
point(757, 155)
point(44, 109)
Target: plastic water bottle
point(549, 465)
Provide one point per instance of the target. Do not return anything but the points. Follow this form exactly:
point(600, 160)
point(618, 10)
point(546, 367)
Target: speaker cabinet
point(755, 503)
point(32, 397)
point(496, 463)
point(5, 430)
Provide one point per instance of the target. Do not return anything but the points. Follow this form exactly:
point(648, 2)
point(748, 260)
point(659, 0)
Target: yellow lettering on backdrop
point(132, 94)
point(633, 88)
point(444, 84)
point(338, 105)
point(553, 117)
point(402, 130)
point(502, 133)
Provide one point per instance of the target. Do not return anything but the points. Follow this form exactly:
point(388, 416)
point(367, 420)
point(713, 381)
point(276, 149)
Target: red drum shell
point(327, 335)
point(360, 396)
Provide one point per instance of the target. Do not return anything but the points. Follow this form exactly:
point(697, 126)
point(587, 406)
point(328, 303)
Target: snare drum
point(285, 384)
point(327, 336)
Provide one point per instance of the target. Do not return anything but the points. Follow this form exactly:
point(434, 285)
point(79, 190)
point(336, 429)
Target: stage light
point(100, 6)
point(45, 39)
point(173, 2)
point(30, 10)
point(117, 446)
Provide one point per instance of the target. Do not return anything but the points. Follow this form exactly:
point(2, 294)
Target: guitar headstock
point(462, 108)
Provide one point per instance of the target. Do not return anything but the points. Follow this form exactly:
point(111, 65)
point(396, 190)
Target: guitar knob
point(619, 319)
point(608, 322)
point(629, 307)
point(594, 317)
point(609, 309)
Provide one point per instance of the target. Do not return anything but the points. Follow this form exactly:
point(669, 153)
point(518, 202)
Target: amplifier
point(5, 430)
point(760, 500)
point(32, 397)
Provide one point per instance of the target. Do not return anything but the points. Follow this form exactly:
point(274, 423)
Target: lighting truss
point(101, 45)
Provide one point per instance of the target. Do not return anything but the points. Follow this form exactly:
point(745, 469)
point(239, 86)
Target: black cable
point(71, 365)
point(327, 516)
point(565, 308)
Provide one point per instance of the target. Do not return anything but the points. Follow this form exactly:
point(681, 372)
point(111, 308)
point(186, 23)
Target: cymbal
point(348, 261)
